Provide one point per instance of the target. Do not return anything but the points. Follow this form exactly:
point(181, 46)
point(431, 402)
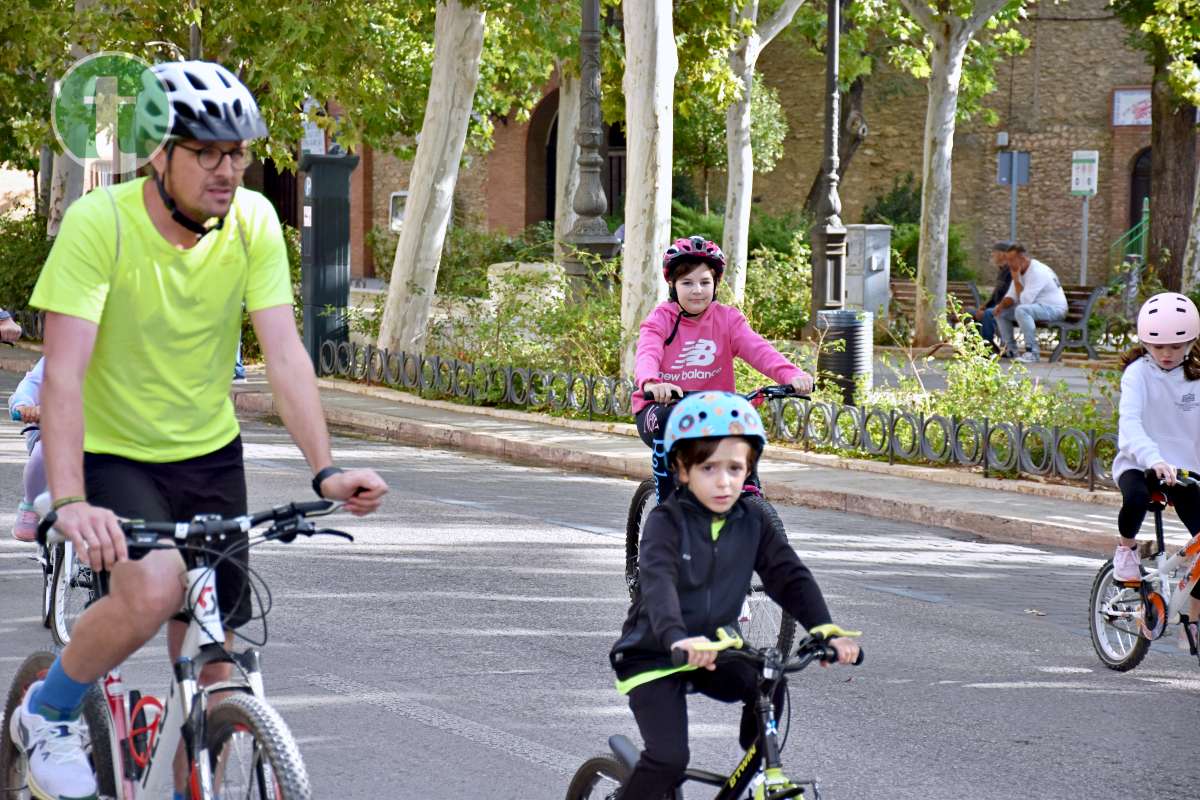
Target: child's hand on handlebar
point(28, 413)
point(662, 391)
point(705, 659)
point(803, 383)
point(847, 650)
point(1165, 472)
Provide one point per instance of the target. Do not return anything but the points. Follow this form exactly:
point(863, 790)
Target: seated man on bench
point(1034, 296)
point(984, 320)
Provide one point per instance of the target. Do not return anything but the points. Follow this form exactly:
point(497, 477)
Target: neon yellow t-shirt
point(169, 320)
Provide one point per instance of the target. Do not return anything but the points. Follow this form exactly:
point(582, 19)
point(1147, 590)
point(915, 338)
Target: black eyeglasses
point(211, 156)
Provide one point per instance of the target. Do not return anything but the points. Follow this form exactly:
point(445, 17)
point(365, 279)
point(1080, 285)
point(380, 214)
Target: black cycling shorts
point(176, 491)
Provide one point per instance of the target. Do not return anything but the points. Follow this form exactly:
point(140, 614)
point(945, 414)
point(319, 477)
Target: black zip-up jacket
point(692, 585)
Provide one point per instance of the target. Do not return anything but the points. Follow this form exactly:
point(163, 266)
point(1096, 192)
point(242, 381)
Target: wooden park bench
point(1072, 330)
point(904, 295)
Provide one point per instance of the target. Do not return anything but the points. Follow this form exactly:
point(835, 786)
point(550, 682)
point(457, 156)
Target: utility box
point(869, 268)
point(325, 248)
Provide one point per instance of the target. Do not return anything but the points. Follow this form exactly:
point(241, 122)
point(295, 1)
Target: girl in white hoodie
point(1159, 427)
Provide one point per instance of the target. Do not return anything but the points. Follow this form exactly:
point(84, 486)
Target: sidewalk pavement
point(1018, 511)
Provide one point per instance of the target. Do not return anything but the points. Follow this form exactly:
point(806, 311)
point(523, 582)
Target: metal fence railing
point(1068, 454)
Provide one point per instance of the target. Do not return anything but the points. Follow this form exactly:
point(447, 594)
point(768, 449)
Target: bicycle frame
point(183, 716)
point(1158, 580)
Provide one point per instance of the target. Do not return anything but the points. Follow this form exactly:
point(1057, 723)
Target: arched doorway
point(1139, 185)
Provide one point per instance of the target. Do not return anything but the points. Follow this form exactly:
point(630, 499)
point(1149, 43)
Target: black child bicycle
point(759, 773)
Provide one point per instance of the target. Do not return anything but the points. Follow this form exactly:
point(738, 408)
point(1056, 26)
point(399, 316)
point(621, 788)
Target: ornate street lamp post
point(590, 233)
point(829, 236)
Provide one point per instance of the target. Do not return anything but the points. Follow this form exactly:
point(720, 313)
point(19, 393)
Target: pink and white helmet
point(1168, 318)
point(691, 249)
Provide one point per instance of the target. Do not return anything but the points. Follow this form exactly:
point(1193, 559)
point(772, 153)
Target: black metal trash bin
point(325, 249)
point(852, 362)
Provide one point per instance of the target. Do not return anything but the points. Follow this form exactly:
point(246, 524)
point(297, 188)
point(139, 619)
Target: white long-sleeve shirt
point(1159, 419)
point(1039, 284)
point(30, 388)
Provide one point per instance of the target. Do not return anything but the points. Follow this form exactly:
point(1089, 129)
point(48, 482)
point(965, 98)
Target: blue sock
point(178, 796)
point(59, 697)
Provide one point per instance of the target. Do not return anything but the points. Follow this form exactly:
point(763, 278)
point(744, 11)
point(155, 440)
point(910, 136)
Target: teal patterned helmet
point(710, 415)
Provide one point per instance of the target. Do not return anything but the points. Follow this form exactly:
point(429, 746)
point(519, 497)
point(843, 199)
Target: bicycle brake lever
point(332, 532)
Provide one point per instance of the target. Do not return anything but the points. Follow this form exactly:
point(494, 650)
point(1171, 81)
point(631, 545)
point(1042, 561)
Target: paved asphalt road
point(458, 648)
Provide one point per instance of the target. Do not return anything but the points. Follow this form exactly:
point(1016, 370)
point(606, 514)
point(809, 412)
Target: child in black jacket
point(697, 555)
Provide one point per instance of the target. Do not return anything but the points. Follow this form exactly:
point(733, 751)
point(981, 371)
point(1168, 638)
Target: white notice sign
point(1085, 172)
point(307, 217)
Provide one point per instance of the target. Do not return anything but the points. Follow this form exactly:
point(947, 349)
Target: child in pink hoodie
point(689, 342)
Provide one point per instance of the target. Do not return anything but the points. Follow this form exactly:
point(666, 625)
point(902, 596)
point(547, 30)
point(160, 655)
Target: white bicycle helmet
point(205, 102)
point(1168, 318)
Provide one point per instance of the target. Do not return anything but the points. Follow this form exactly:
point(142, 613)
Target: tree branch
point(986, 10)
point(922, 13)
point(779, 20)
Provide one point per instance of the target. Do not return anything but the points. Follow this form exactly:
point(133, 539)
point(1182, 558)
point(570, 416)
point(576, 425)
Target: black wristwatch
point(320, 477)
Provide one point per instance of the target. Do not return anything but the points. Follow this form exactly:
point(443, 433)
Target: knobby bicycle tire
point(644, 499)
point(95, 714)
point(591, 774)
point(1136, 645)
point(274, 757)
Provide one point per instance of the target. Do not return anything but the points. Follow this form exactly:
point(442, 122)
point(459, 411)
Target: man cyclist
point(143, 293)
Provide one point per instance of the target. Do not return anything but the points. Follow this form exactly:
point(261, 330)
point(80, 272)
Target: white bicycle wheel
point(74, 589)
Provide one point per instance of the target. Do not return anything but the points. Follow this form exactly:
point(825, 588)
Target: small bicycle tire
point(46, 557)
point(769, 625)
point(1117, 639)
point(252, 752)
point(97, 742)
point(74, 589)
point(599, 778)
point(645, 498)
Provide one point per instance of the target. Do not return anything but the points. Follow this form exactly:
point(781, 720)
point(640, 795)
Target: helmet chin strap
point(176, 214)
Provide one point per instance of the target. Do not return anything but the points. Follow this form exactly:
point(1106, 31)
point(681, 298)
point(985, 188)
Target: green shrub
point(902, 203)
point(251, 349)
point(23, 250)
point(766, 230)
point(779, 289)
point(906, 242)
point(580, 332)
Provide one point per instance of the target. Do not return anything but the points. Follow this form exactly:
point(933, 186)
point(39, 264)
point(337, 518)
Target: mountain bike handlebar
point(287, 522)
point(773, 392)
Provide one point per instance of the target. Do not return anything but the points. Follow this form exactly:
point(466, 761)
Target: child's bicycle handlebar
point(1183, 477)
point(774, 392)
point(731, 647)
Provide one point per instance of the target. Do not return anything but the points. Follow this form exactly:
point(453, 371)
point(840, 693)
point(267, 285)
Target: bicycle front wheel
point(598, 779)
point(1115, 612)
point(46, 557)
point(252, 752)
point(645, 499)
point(74, 589)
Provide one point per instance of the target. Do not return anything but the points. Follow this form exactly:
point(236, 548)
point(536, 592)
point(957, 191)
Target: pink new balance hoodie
point(701, 355)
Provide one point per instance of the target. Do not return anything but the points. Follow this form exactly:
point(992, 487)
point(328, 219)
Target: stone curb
point(947, 475)
point(988, 526)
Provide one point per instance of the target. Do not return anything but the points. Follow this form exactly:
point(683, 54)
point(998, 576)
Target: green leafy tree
point(1161, 29)
point(700, 137)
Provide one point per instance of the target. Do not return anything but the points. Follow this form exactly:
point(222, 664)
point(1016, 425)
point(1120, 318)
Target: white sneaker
point(1028, 357)
point(58, 767)
point(1125, 564)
